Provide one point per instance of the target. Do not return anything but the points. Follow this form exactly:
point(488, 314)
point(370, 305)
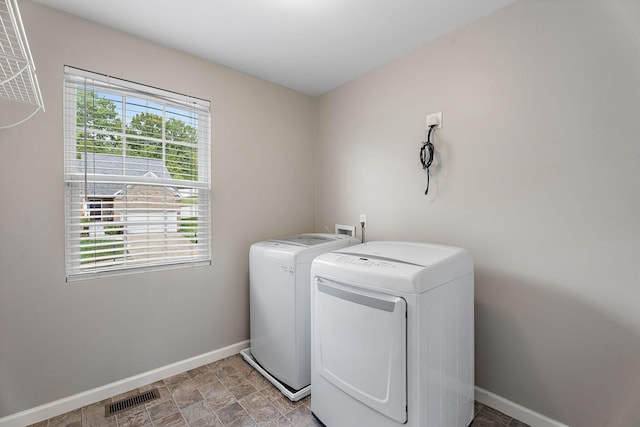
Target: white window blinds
point(137, 177)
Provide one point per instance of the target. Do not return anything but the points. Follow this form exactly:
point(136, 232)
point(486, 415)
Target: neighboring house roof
point(109, 164)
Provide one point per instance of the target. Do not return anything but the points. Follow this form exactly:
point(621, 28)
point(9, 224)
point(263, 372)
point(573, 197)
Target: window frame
point(160, 252)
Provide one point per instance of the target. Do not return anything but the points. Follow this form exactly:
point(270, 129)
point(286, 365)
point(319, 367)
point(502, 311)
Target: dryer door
point(360, 345)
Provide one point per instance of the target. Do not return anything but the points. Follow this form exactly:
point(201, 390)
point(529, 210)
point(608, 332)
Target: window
point(137, 177)
point(99, 209)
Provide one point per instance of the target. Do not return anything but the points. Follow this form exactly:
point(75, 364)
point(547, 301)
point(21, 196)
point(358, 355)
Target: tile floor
point(225, 393)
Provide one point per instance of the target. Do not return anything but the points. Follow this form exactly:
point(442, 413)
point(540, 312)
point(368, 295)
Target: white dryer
point(279, 299)
point(392, 336)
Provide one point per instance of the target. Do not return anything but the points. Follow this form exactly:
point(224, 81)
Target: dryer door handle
point(379, 304)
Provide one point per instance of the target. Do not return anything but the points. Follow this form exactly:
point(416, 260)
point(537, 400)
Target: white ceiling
point(308, 45)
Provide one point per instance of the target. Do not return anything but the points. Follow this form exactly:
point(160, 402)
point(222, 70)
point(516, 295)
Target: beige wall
point(537, 173)
point(58, 338)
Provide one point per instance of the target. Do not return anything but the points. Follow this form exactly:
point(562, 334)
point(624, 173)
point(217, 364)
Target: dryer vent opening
point(130, 402)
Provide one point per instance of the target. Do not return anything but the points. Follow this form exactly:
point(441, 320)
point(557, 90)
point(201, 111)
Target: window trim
point(200, 186)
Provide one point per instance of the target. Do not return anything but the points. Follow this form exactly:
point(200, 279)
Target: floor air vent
point(130, 402)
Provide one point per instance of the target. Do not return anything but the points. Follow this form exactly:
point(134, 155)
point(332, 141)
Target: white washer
point(280, 307)
point(392, 336)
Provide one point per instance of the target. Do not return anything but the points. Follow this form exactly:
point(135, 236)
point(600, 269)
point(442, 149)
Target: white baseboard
point(514, 410)
point(61, 406)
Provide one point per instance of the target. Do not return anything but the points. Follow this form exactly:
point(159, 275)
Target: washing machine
point(392, 336)
point(279, 298)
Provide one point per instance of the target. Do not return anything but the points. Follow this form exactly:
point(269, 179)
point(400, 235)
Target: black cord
point(427, 147)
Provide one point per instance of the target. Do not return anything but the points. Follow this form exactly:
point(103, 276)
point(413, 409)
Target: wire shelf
point(18, 81)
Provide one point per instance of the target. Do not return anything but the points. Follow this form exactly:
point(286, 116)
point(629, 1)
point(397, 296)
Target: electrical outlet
point(434, 119)
point(363, 219)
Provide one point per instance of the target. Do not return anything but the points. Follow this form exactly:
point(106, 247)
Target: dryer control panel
point(364, 261)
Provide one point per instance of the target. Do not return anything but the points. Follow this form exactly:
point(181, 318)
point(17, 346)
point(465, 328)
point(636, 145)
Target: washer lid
point(310, 239)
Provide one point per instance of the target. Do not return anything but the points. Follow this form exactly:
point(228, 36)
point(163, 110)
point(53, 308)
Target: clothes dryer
point(279, 298)
point(392, 336)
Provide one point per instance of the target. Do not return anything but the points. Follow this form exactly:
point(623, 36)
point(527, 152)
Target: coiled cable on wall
point(426, 155)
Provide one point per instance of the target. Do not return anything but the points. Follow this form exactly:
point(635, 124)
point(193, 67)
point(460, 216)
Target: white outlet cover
point(434, 119)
